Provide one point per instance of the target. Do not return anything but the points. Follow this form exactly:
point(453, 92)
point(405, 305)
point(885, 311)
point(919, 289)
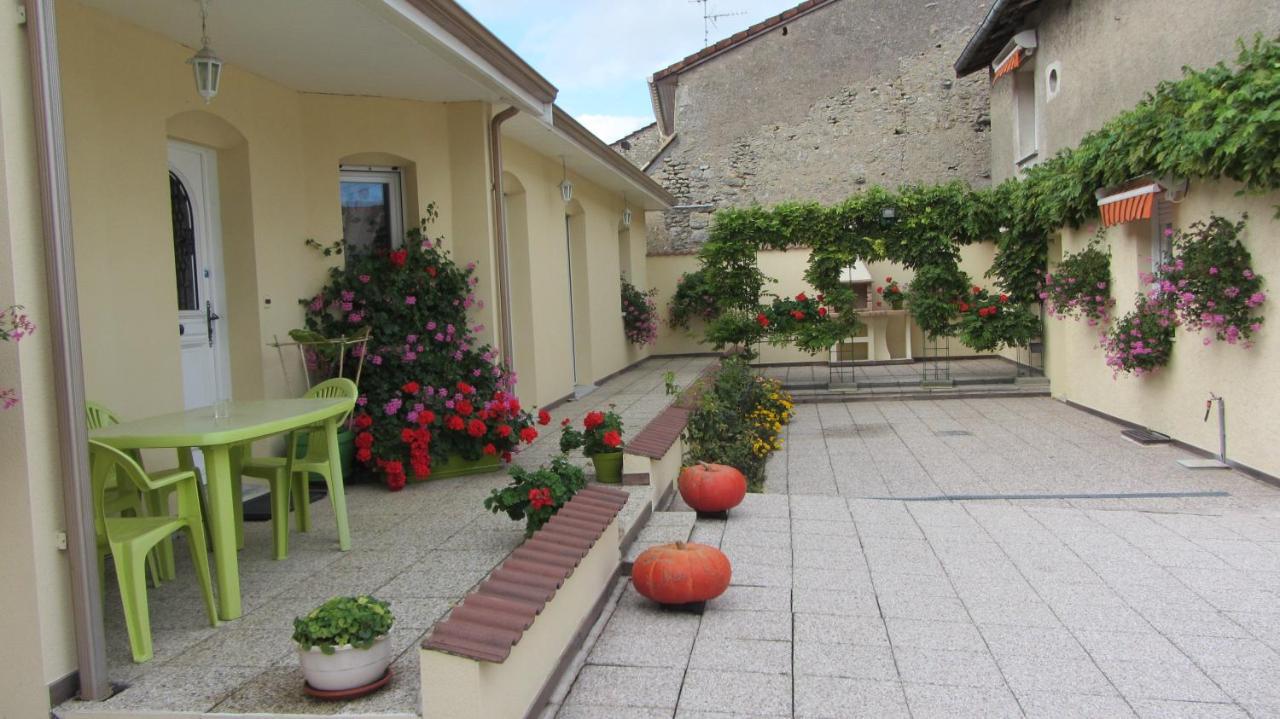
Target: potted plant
point(891, 291)
point(536, 496)
point(343, 644)
point(435, 401)
point(601, 440)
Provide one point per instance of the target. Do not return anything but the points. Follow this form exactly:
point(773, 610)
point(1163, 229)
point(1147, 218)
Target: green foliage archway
point(1219, 122)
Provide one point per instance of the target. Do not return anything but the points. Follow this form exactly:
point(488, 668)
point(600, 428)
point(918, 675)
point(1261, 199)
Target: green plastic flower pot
point(456, 466)
point(608, 467)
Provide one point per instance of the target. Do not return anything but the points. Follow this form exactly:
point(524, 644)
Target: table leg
point(222, 528)
point(336, 493)
point(236, 459)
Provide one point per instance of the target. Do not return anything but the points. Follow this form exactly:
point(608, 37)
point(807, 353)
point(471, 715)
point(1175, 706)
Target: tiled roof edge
point(491, 620)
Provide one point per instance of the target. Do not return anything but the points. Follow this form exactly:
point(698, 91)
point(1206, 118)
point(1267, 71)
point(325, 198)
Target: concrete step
point(663, 528)
point(1036, 389)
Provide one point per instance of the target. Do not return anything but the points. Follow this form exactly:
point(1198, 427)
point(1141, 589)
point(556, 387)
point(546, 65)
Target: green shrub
point(357, 621)
point(737, 420)
point(536, 496)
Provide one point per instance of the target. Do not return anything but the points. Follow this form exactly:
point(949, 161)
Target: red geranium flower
point(797, 314)
point(528, 434)
point(490, 450)
point(363, 421)
point(410, 388)
point(464, 408)
point(406, 435)
point(801, 298)
point(476, 428)
point(455, 423)
point(506, 457)
point(822, 311)
point(1004, 297)
point(504, 430)
point(399, 257)
point(513, 405)
point(762, 320)
point(364, 454)
point(465, 388)
point(544, 417)
point(975, 289)
point(879, 290)
point(426, 417)
point(431, 270)
point(364, 439)
point(395, 482)
point(612, 438)
point(540, 498)
point(964, 306)
point(564, 422)
point(593, 420)
point(889, 280)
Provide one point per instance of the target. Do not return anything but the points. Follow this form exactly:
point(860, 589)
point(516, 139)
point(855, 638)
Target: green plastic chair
point(289, 475)
point(124, 501)
point(130, 539)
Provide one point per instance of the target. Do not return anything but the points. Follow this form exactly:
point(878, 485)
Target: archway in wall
point(521, 273)
point(226, 287)
point(579, 290)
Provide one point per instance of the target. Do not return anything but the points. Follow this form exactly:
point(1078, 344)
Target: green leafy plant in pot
point(536, 496)
point(343, 644)
point(600, 439)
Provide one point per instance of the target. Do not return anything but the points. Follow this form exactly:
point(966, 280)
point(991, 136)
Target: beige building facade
point(1094, 59)
point(417, 90)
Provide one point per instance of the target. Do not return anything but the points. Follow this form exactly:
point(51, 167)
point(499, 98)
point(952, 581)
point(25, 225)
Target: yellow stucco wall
point(1172, 399)
point(36, 614)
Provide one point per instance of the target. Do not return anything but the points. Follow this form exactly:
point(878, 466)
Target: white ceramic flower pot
point(346, 668)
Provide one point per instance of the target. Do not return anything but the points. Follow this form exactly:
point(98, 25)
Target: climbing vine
point(1219, 122)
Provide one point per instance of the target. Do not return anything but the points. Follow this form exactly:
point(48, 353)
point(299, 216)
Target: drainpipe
point(500, 233)
point(68, 366)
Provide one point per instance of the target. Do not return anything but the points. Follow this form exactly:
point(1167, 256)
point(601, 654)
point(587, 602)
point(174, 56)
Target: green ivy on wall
point(1215, 123)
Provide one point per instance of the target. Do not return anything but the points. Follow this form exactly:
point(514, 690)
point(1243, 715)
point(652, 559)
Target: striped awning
point(1129, 205)
point(1010, 63)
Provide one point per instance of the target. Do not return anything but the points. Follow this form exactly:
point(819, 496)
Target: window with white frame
point(1026, 141)
point(372, 209)
point(1161, 234)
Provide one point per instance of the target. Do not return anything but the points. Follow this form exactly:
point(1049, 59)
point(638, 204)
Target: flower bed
point(738, 420)
point(430, 390)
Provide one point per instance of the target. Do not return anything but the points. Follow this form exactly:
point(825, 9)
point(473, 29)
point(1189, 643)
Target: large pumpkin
point(712, 487)
point(681, 573)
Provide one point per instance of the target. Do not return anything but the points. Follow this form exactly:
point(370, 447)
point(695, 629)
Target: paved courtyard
point(422, 549)
point(1084, 576)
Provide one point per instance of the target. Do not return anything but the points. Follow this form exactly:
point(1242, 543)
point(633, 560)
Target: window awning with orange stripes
point(1129, 205)
point(1010, 63)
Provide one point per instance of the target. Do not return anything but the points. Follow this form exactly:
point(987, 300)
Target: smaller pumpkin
point(681, 573)
point(712, 487)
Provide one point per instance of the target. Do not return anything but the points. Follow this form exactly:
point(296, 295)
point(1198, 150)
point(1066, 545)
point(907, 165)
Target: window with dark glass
point(371, 215)
point(184, 245)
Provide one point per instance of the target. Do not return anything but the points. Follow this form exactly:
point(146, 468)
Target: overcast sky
point(599, 53)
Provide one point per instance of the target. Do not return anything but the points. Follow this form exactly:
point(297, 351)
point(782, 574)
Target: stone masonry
point(853, 94)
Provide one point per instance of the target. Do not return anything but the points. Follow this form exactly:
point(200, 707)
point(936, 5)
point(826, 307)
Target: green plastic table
point(220, 440)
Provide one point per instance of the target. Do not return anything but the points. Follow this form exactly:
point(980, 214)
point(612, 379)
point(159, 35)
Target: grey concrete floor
point(422, 549)
point(860, 591)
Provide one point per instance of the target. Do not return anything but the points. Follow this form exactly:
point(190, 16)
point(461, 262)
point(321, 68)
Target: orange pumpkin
point(712, 487)
point(681, 573)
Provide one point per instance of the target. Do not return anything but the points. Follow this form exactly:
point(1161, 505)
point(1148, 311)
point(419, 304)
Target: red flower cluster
point(797, 314)
point(476, 428)
point(528, 434)
point(593, 420)
point(394, 472)
point(540, 498)
point(988, 311)
point(399, 257)
point(762, 319)
point(612, 438)
point(455, 423)
point(544, 417)
point(464, 408)
point(410, 388)
point(419, 441)
point(364, 445)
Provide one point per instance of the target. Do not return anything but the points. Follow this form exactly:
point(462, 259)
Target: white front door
point(197, 255)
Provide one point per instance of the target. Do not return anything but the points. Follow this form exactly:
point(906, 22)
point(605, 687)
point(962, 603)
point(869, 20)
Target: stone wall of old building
point(640, 146)
point(854, 94)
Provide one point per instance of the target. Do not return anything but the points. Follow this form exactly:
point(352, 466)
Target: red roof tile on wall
point(491, 620)
point(657, 437)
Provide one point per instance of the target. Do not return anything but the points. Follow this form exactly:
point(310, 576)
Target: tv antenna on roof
point(709, 19)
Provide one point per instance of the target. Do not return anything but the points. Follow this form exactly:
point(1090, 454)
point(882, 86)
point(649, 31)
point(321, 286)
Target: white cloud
point(612, 128)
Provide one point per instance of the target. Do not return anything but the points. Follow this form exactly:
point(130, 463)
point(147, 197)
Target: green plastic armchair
point(288, 475)
point(129, 540)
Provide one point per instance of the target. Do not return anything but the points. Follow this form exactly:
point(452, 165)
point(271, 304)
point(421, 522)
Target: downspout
point(68, 365)
point(500, 234)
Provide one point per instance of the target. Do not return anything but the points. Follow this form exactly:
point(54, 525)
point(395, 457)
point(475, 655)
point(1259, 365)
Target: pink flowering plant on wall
point(1080, 286)
point(1141, 341)
point(639, 314)
point(430, 390)
point(14, 325)
point(1211, 284)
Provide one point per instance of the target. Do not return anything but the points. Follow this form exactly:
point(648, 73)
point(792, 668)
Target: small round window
point(1052, 80)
